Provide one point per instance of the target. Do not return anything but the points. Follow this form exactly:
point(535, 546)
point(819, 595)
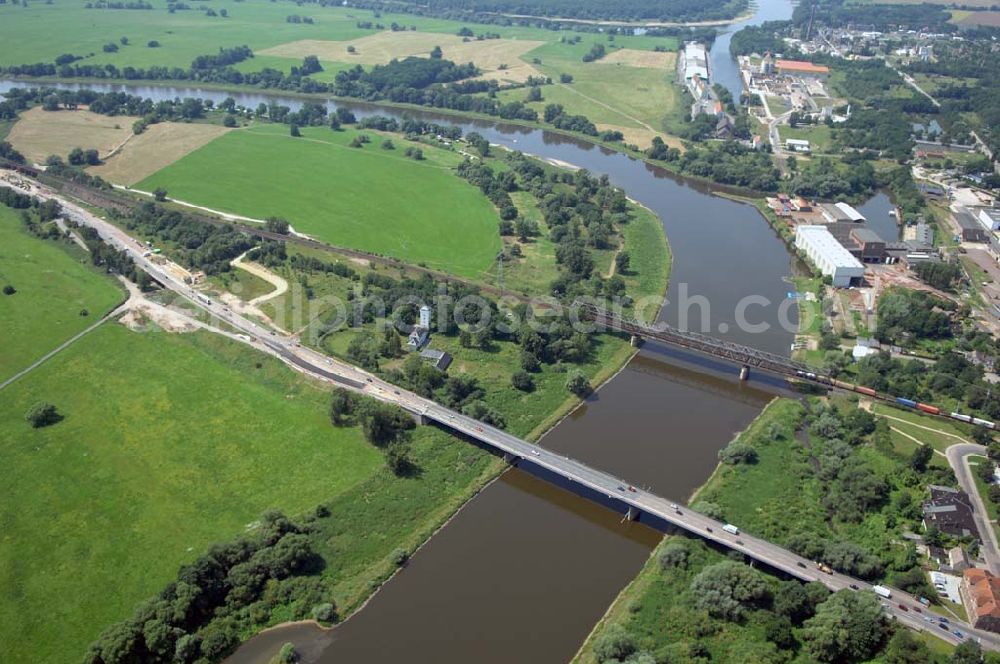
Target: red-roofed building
point(980, 592)
point(802, 68)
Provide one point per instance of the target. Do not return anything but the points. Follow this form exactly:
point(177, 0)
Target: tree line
point(199, 615)
point(675, 11)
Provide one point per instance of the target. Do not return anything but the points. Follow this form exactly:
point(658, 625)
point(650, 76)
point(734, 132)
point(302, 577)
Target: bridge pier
point(419, 418)
point(635, 340)
point(744, 372)
point(633, 513)
point(509, 458)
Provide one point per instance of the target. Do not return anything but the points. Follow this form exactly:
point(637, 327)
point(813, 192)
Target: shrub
point(709, 509)
point(735, 453)
point(523, 381)
point(325, 613)
point(9, 290)
point(615, 644)
point(42, 414)
point(727, 589)
point(578, 384)
point(287, 654)
point(674, 555)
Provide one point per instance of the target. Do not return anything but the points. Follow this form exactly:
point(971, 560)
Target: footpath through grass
point(54, 285)
point(367, 198)
point(169, 443)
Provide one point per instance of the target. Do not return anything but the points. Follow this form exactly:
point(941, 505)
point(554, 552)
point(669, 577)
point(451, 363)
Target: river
point(525, 569)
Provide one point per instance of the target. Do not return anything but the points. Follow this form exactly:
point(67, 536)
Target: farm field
point(367, 198)
point(38, 134)
point(629, 90)
point(40, 32)
point(157, 147)
point(498, 58)
point(169, 443)
point(984, 18)
point(53, 286)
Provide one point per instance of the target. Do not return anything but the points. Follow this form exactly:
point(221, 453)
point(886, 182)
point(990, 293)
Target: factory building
point(922, 233)
point(970, 228)
point(695, 61)
point(801, 68)
point(839, 212)
point(829, 256)
point(989, 218)
point(871, 246)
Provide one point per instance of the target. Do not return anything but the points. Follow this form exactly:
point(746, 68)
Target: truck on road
point(882, 591)
point(731, 529)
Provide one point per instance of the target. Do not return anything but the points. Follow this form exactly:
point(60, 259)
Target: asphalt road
point(328, 368)
point(958, 456)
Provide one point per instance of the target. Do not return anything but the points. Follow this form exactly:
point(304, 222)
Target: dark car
point(854, 587)
point(801, 564)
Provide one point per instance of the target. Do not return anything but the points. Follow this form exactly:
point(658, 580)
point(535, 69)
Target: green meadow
point(41, 31)
point(54, 285)
point(367, 198)
point(169, 443)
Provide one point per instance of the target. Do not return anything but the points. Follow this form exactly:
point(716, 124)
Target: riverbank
point(771, 486)
point(355, 593)
point(651, 599)
point(350, 102)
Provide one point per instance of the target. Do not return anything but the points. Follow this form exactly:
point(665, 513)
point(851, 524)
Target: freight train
point(899, 401)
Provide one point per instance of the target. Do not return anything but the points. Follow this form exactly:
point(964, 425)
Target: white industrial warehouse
point(695, 61)
point(832, 259)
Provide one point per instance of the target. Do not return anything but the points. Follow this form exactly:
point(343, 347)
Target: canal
point(525, 569)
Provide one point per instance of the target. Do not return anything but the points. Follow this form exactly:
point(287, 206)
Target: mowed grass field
point(368, 198)
point(53, 286)
point(630, 90)
point(169, 444)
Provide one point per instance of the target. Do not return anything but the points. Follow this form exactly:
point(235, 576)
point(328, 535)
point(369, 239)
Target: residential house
point(950, 511)
point(980, 592)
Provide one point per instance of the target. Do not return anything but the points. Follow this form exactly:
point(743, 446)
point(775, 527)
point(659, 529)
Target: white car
point(536, 452)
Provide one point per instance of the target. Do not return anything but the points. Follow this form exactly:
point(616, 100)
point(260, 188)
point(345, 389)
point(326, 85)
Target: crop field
point(40, 31)
point(368, 198)
point(378, 49)
point(630, 90)
point(53, 288)
point(159, 146)
point(38, 134)
point(984, 18)
point(169, 443)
